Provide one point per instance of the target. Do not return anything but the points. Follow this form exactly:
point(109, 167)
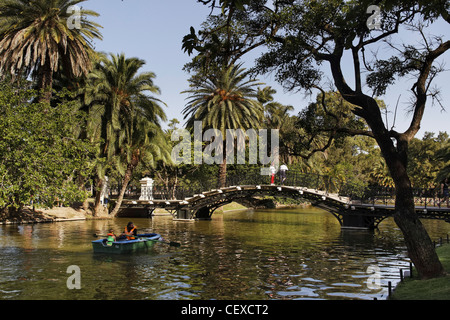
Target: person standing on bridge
point(273, 170)
point(283, 169)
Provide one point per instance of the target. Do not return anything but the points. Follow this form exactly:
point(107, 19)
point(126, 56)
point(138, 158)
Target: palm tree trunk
point(174, 188)
point(98, 206)
point(125, 182)
point(45, 81)
point(223, 173)
point(82, 185)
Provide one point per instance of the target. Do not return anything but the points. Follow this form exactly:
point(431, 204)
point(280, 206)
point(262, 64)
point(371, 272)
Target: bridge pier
point(203, 213)
point(357, 222)
point(183, 214)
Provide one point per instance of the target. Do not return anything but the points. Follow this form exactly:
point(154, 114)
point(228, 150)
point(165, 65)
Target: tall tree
point(303, 37)
point(122, 113)
point(276, 116)
point(143, 141)
point(40, 154)
point(39, 36)
point(227, 99)
point(323, 32)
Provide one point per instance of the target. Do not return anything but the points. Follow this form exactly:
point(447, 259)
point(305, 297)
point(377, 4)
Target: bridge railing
point(426, 197)
point(253, 176)
point(355, 192)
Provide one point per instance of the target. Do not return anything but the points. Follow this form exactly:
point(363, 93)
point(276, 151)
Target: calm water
point(268, 254)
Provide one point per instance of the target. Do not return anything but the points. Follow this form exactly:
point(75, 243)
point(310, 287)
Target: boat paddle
point(96, 235)
point(170, 243)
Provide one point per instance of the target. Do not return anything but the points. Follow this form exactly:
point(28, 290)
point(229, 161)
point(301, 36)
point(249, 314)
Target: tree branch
point(421, 87)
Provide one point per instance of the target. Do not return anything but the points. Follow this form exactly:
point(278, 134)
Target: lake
point(299, 253)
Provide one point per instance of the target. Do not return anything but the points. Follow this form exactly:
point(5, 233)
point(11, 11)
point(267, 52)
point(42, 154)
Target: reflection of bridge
point(353, 206)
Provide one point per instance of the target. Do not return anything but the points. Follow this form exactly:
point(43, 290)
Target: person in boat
point(130, 231)
point(110, 237)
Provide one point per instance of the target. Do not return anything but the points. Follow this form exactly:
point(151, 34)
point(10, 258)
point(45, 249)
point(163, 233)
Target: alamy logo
point(74, 21)
point(374, 21)
point(235, 140)
point(74, 281)
point(374, 280)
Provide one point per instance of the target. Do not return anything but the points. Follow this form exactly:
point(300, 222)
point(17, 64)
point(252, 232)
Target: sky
point(153, 30)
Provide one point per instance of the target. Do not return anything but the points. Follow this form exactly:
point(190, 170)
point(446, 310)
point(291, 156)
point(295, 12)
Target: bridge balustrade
point(188, 188)
point(356, 192)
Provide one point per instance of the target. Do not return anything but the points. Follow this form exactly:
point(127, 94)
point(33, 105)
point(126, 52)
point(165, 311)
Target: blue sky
point(152, 30)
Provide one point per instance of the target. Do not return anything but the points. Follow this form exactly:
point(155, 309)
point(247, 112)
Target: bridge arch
point(202, 206)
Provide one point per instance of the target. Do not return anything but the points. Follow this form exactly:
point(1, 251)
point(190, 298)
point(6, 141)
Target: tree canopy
point(302, 40)
point(41, 156)
point(38, 38)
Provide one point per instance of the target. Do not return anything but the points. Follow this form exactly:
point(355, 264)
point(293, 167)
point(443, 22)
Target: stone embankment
point(57, 214)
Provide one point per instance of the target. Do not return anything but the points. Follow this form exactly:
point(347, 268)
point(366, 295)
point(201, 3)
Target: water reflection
point(264, 254)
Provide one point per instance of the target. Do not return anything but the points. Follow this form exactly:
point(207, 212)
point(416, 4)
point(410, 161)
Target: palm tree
point(142, 140)
point(276, 116)
point(225, 100)
point(37, 38)
point(122, 114)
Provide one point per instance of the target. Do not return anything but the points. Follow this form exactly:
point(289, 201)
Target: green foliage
point(223, 38)
point(429, 160)
point(122, 114)
point(226, 100)
point(40, 155)
point(35, 38)
point(443, 155)
point(429, 289)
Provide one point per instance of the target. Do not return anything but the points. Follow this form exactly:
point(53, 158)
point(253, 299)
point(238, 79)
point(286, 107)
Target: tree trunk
point(45, 81)
point(125, 182)
point(421, 250)
point(420, 247)
point(99, 210)
point(175, 185)
point(223, 173)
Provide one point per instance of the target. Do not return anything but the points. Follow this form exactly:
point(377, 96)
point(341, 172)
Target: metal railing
point(426, 197)
point(249, 177)
point(357, 193)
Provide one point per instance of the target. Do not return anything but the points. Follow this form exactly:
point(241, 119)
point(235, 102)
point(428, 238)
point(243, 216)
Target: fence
point(358, 193)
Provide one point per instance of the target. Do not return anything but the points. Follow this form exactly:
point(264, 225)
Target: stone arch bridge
point(353, 206)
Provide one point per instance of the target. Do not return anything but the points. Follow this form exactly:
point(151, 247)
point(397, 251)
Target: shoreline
point(414, 288)
point(56, 214)
point(63, 214)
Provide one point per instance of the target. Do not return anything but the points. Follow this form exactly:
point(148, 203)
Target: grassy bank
point(433, 289)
